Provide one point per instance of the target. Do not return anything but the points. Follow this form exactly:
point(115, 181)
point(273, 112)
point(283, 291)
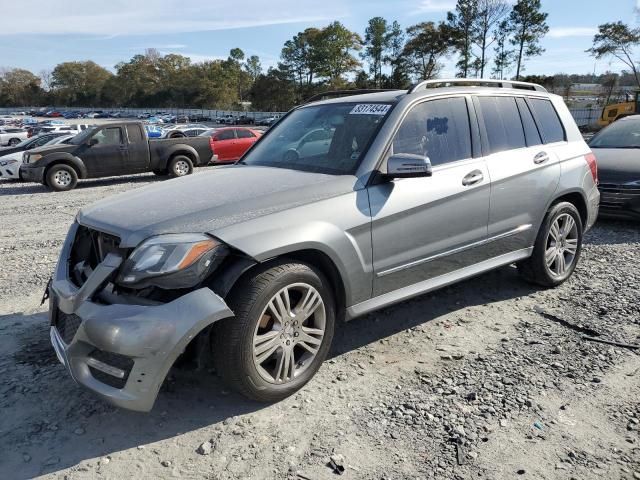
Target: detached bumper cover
point(148, 337)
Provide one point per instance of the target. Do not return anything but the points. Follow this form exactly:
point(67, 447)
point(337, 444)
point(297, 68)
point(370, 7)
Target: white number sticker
point(370, 109)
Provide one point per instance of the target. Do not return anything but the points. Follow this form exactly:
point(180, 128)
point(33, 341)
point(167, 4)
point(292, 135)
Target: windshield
point(620, 134)
point(329, 138)
point(82, 137)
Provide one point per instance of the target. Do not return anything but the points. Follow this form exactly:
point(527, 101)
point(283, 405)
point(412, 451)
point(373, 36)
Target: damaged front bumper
point(122, 352)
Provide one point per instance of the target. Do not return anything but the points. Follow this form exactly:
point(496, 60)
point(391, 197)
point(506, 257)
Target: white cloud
point(125, 17)
point(563, 32)
point(430, 6)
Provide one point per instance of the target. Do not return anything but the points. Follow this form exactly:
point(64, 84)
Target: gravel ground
point(490, 378)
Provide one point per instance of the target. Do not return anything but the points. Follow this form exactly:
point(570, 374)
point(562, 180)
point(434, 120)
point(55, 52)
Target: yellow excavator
point(613, 112)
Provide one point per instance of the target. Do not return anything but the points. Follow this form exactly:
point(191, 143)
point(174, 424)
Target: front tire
point(179, 166)
point(61, 178)
point(557, 248)
point(281, 333)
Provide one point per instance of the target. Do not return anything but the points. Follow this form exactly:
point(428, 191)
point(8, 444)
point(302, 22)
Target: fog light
point(103, 367)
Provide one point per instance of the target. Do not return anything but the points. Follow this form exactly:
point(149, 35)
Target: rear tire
point(281, 333)
point(557, 248)
point(179, 166)
point(61, 178)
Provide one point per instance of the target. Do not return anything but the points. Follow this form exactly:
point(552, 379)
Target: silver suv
point(345, 206)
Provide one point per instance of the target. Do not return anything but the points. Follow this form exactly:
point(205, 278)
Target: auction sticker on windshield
point(370, 109)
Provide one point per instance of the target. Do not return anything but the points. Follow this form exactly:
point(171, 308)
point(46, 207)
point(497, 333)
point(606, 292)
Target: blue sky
point(109, 31)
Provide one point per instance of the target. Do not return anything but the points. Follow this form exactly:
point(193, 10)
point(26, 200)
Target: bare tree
point(490, 13)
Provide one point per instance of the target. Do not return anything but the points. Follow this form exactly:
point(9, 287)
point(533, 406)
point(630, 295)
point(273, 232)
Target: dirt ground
point(491, 378)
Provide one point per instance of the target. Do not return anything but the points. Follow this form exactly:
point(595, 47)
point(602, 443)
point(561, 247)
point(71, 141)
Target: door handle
point(541, 158)
point(472, 178)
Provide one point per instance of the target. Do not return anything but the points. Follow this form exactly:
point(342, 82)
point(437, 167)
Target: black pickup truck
point(112, 149)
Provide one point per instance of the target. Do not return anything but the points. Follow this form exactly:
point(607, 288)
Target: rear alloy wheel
point(61, 178)
point(281, 332)
point(180, 166)
point(557, 248)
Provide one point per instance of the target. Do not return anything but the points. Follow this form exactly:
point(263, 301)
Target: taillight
point(211, 143)
point(593, 165)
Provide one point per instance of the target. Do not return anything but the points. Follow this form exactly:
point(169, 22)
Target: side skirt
point(425, 286)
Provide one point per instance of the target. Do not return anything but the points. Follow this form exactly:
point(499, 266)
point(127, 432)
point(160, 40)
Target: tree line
point(488, 38)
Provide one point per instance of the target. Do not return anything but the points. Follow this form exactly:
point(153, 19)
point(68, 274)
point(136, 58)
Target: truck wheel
point(14, 141)
point(179, 166)
point(61, 178)
point(557, 248)
point(281, 332)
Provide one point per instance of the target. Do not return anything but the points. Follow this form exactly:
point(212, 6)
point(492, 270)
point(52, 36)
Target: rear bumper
point(123, 352)
point(32, 174)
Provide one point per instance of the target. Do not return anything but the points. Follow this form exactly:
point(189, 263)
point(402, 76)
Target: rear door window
point(243, 133)
point(502, 123)
point(438, 129)
point(548, 120)
point(135, 135)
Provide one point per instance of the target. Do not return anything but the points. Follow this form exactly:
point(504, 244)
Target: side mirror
point(408, 165)
point(92, 142)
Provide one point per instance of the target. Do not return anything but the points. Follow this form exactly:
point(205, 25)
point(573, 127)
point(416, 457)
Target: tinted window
point(109, 136)
point(244, 133)
point(134, 133)
point(41, 141)
point(621, 134)
point(438, 129)
point(548, 121)
point(530, 129)
point(225, 135)
point(502, 123)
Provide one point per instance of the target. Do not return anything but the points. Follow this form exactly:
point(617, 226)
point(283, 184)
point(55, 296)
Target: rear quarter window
point(548, 121)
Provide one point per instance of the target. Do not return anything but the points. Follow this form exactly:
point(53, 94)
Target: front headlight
point(172, 261)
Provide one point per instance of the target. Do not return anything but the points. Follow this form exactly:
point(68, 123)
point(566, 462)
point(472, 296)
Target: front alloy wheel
point(289, 333)
point(281, 332)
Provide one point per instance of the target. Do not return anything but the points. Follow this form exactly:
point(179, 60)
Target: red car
point(229, 144)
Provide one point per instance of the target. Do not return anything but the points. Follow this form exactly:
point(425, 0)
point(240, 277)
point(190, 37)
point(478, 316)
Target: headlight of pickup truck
point(32, 157)
point(172, 261)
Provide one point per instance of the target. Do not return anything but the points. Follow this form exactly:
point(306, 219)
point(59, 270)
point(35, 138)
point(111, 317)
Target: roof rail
point(475, 82)
point(345, 93)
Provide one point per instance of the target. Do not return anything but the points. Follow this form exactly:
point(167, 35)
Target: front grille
point(114, 360)
point(67, 325)
point(618, 196)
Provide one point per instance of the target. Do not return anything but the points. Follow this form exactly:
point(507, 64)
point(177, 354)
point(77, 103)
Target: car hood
point(210, 201)
point(618, 165)
point(62, 147)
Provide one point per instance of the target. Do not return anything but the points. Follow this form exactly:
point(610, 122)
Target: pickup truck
point(112, 149)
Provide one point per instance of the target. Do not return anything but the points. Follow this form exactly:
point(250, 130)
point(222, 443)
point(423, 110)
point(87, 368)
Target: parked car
point(268, 121)
point(256, 262)
point(184, 130)
point(10, 163)
point(226, 120)
point(30, 143)
point(113, 149)
point(617, 149)
point(12, 136)
point(229, 144)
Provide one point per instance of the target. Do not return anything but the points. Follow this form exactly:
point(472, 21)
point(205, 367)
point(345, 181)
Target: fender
point(63, 157)
point(178, 149)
